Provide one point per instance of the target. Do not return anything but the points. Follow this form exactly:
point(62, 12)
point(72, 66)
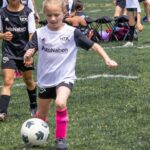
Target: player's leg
point(43, 109)
point(118, 11)
point(8, 77)
point(120, 8)
point(146, 4)
point(139, 25)
point(63, 92)
point(132, 13)
point(8, 68)
point(44, 98)
point(31, 90)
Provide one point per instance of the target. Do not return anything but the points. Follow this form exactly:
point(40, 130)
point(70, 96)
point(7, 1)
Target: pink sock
point(37, 116)
point(61, 123)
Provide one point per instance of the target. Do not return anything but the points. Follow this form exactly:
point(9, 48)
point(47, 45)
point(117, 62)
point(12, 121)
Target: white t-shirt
point(30, 4)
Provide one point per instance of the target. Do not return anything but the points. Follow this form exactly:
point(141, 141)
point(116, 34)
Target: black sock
point(32, 97)
point(131, 33)
point(4, 102)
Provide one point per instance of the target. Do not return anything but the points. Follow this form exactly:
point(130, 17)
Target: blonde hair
point(61, 3)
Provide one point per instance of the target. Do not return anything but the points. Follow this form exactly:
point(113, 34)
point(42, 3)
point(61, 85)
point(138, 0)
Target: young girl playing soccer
point(56, 44)
point(17, 25)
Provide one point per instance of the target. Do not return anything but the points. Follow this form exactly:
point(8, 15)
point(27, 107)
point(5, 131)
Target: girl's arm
point(28, 57)
point(100, 51)
point(30, 49)
point(6, 36)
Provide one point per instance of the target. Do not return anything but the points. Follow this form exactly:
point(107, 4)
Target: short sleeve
point(82, 40)
point(5, 3)
point(30, 5)
point(31, 23)
point(33, 43)
point(1, 26)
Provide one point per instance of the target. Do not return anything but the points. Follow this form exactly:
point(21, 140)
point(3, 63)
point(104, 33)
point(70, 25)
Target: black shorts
point(132, 9)
point(50, 93)
point(121, 3)
point(141, 1)
point(8, 63)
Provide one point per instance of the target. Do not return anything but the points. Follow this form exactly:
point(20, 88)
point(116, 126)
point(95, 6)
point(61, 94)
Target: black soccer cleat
point(61, 144)
point(33, 111)
point(3, 116)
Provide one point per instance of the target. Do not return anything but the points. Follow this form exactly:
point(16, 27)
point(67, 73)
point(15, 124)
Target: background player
point(17, 25)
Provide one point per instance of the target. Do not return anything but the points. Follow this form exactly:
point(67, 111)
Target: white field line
point(108, 76)
point(93, 77)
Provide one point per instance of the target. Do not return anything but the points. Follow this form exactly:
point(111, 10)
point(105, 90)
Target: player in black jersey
point(30, 4)
point(17, 25)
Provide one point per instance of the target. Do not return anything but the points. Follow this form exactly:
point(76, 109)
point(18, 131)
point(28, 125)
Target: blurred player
point(120, 7)
point(17, 25)
point(132, 8)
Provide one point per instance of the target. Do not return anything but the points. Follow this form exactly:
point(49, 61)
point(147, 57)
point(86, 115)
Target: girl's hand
point(28, 59)
point(111, 63)
point(7, 36)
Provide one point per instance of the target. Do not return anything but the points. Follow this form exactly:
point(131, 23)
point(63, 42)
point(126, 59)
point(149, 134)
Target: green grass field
point(110, 113)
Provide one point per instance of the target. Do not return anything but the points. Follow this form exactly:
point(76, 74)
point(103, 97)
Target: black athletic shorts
point(141, 1)
point(121, 3)
point(8, 63)
point(50, 93)
point(132, 9)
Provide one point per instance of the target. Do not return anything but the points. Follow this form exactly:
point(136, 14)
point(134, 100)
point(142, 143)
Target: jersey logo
point(7, 19)
point(42, 90)
point(5, 59)
point(24, 2)
point(64, 38)
point(23, 18)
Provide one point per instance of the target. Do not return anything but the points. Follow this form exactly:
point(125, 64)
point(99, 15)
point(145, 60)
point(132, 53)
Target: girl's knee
point(29, 82)
point(8, 82)
point(60, 105)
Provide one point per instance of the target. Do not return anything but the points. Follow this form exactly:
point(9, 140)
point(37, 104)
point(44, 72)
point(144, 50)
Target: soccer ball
point(34, 132)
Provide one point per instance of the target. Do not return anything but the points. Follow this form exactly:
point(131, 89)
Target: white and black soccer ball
point(34, 132)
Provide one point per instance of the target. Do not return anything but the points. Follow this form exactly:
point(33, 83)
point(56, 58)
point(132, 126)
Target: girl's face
point(54, 16)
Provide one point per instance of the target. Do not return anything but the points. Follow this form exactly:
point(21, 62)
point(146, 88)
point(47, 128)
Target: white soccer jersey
point(57, 51)
point(58, 60)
